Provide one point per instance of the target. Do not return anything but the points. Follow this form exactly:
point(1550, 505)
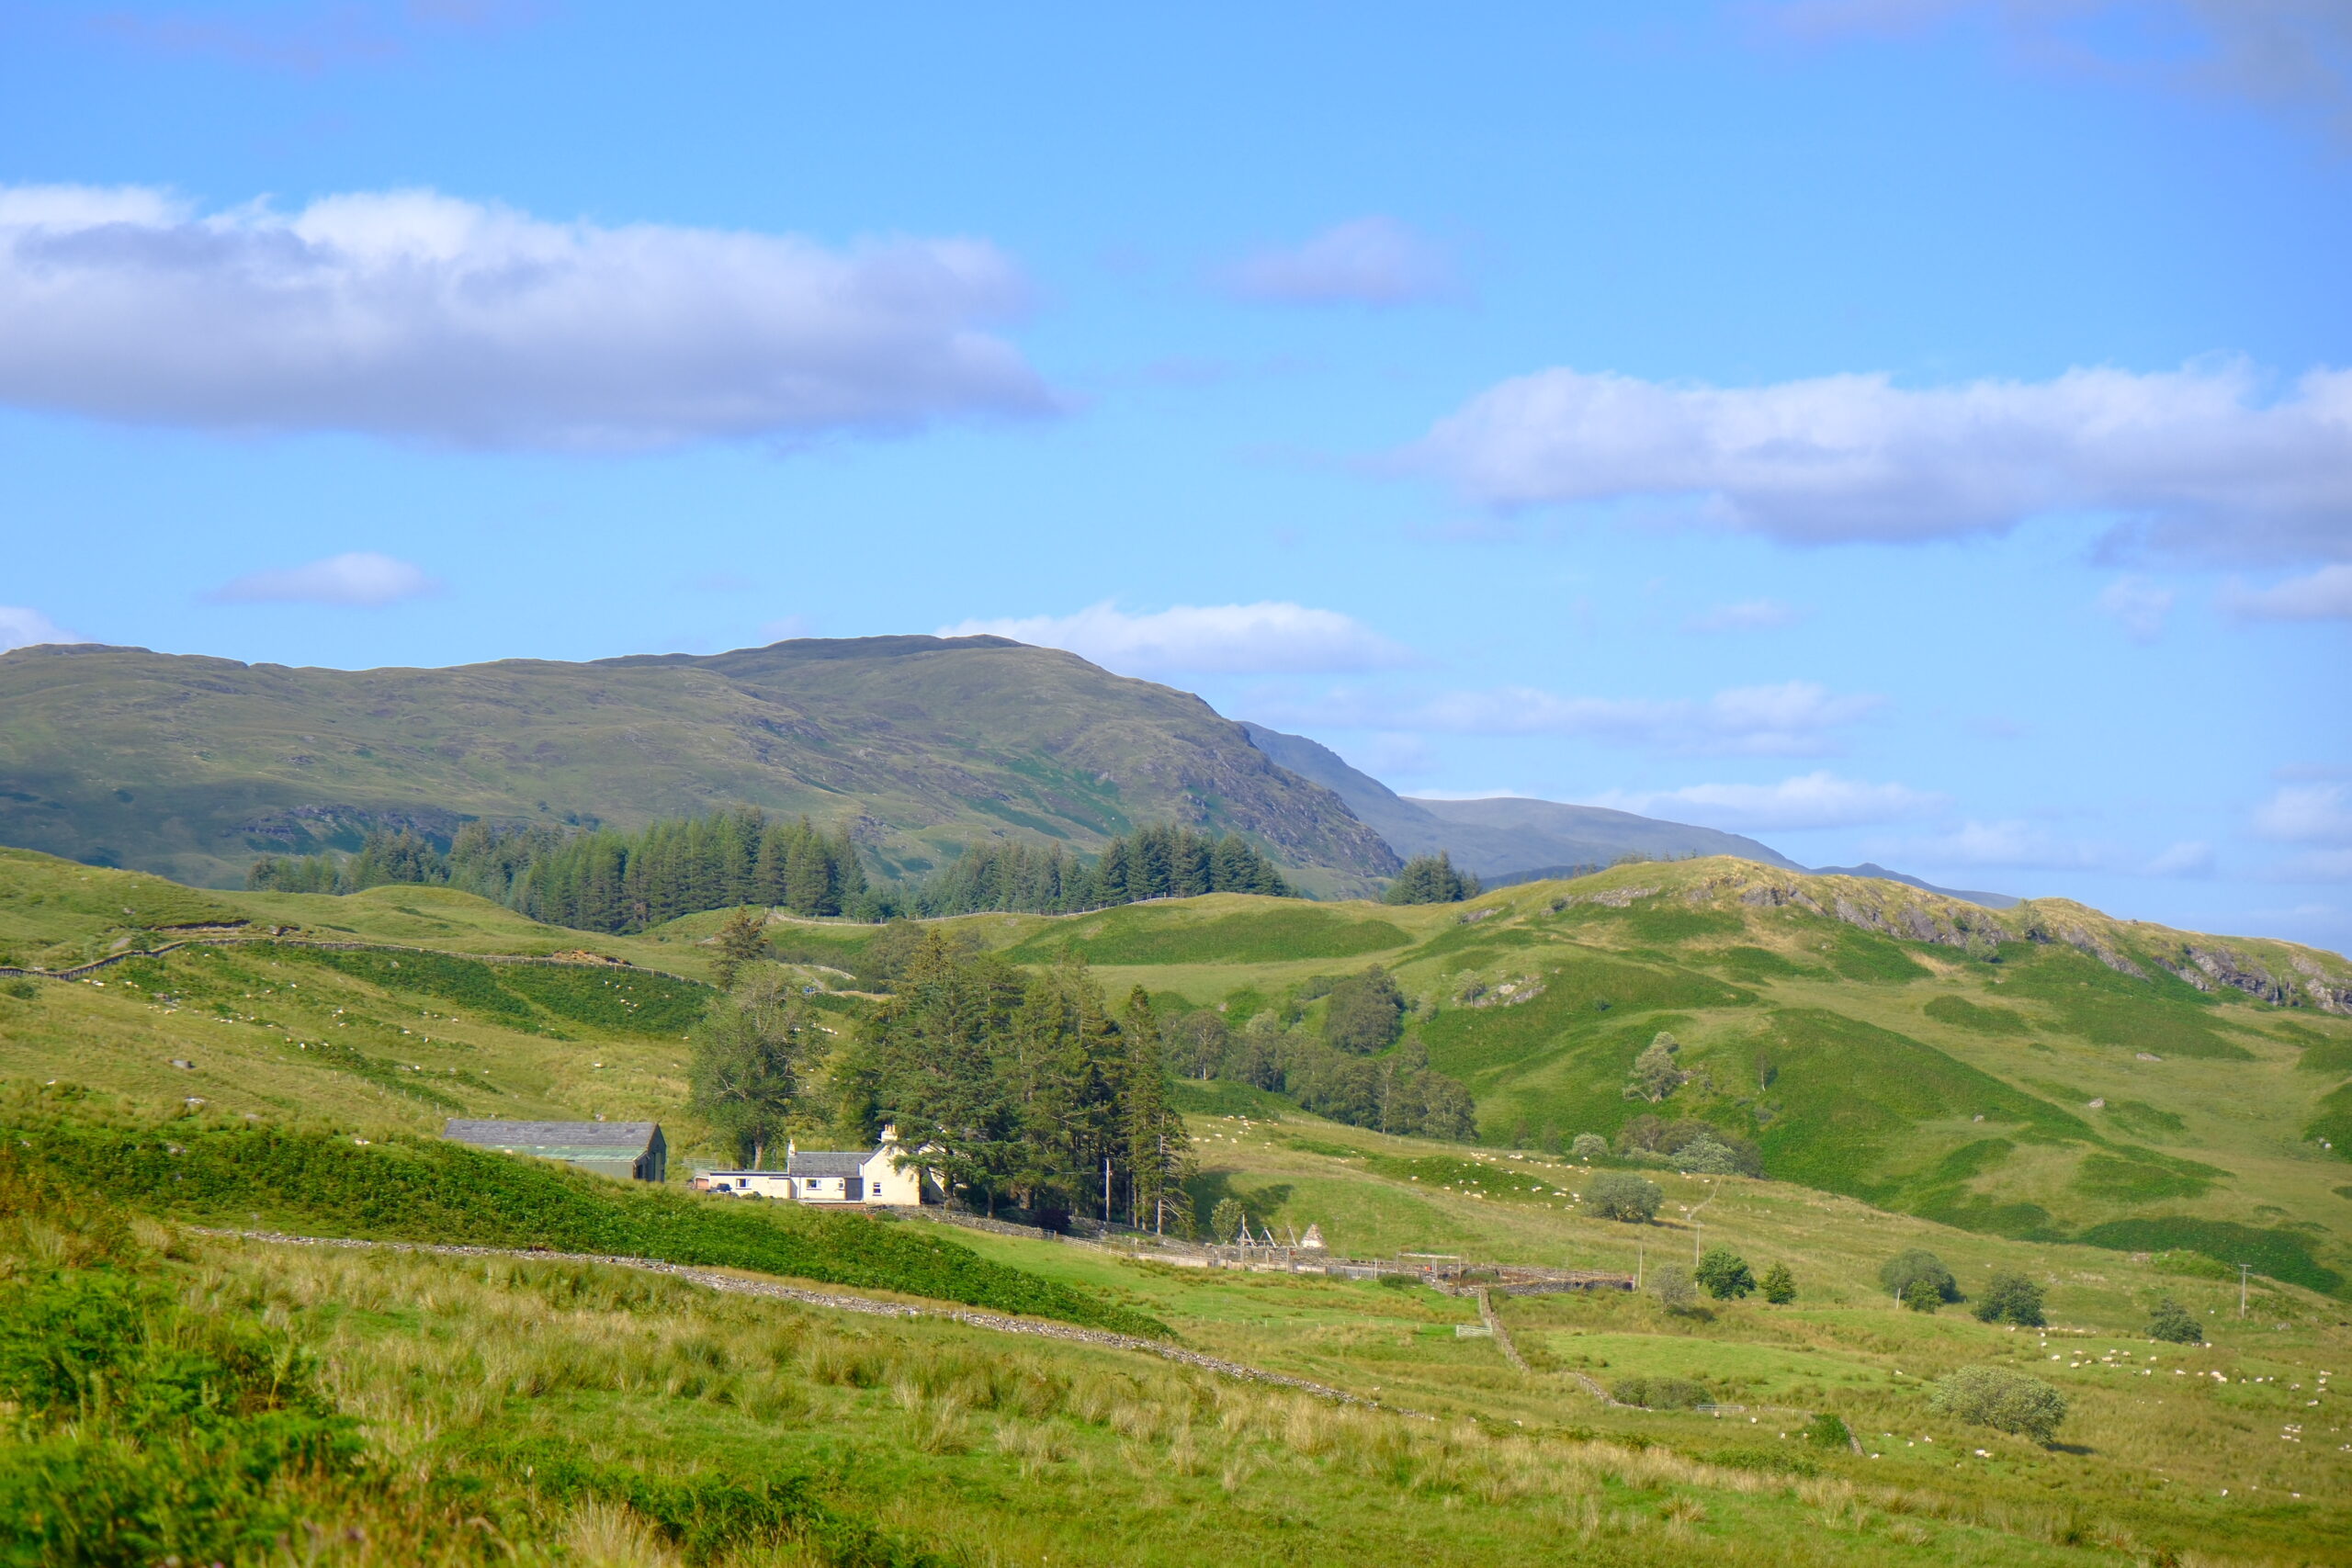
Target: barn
point(627, 1151)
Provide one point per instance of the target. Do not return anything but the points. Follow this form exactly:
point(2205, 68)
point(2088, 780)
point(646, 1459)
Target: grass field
point(457, 1410)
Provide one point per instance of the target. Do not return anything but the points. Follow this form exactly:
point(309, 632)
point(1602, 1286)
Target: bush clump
point(1921, 1295)
point(1661, 1393)
point(1621, 1195)
point(1672, 1285)
point(1725, 1274)
point(1827, 1431)
point(2172, 1323)
point(2004, 1400)
point(1779, 1285)
point(2010, 1297)
point(1587, 1146)
point(1901, 1272)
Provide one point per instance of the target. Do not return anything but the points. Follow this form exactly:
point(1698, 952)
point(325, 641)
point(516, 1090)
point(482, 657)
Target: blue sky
point(1901, 429)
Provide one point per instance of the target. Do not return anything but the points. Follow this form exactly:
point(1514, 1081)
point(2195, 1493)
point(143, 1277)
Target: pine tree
point(741, 940)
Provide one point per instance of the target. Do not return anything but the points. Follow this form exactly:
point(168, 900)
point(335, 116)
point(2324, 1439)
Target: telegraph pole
point(2243, 1267)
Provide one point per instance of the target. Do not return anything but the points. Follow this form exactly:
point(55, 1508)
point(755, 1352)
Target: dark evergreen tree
point(1430, 879)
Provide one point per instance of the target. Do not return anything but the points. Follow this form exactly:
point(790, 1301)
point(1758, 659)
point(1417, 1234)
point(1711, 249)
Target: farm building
point(827, 1176)
point(627, 1151)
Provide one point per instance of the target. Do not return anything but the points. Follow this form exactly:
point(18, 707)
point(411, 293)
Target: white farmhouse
point(868, 1176)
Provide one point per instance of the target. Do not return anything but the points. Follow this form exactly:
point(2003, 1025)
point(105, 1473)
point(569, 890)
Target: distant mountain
point(1990, 900)
point(1507, 839)
point(189, 766)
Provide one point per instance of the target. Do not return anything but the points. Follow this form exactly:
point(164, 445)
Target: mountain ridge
point(189, 765)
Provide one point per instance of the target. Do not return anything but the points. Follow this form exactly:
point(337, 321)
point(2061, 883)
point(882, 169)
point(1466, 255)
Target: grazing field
point(2030, 1109)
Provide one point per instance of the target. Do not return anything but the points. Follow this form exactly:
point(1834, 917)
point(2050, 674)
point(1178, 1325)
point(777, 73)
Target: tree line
point(1025, 1086)
point(1150, 862)
point(608, 881)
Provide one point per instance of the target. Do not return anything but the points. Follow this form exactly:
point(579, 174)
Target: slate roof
point(633, 1137)
point(826, 1162)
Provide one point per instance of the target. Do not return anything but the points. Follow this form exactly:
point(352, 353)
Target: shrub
point(1921, 1295)
point(1589, 1146)
point(1725, 1274)
point(1661, 1393)
point(1621, 1195)
point(1654, 1076)
point(1670, 1283)
point(2171, 1323)
point(1708, 1157)
point(1918, 1264)
point(2011, 1298)
point(1827, 1431)
point(2001, 1399)
point(1779, 1285)
point(1226, 1220)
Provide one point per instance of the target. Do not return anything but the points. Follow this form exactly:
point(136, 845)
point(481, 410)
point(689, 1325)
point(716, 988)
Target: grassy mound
point(420, 1190)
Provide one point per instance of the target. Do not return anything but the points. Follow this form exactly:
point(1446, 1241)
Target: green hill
point(190, 767)
point(2039, 1072)
point(2042, 1071)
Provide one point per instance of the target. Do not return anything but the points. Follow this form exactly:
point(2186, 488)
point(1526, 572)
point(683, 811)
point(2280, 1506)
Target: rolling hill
point(190, 767)
point(2037, 1073)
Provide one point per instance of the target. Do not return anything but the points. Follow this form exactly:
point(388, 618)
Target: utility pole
point(1641, 1250)
point(1107, 1189)
point(2243, 1267)
point(1695, 1229)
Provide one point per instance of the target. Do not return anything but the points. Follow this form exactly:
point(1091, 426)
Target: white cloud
point(21, 626)
point(411, 314)
point(2307, 814)
point(2190, 459)
point(2139, 605)
point(1794, 719)
point(1368, 261)
point(1811, 800)
point(2322, 595)
point(1748, 615)
point(1270, 638)
point(360, 578)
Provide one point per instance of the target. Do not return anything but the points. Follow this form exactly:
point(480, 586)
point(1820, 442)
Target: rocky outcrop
point(2222, 965)
point(2076, 937)
point(2325, 993)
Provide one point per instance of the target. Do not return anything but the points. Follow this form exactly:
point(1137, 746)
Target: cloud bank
point(22, 627)
point(2191, 461)
point(411, 314)
point(360, 578)
point(1812, 800)
point(1266, 639)
point(1370, 261)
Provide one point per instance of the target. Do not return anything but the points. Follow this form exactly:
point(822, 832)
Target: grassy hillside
point(2058, 1079)
point(587, 1414)
point(2038, 1072)
point(190, 766)
point(383, 1407)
